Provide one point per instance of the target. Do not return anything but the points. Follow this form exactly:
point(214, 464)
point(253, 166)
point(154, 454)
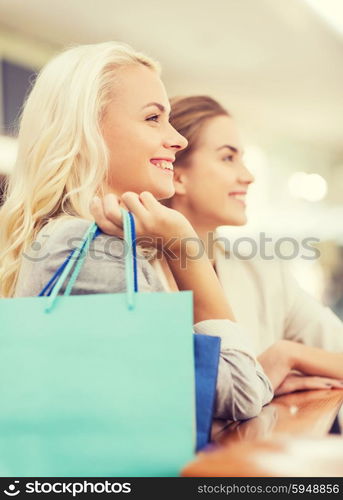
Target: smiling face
point(213, 186)
point(141, 141)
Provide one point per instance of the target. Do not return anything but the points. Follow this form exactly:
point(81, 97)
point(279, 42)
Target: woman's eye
point(229, 158)
point(153, 118)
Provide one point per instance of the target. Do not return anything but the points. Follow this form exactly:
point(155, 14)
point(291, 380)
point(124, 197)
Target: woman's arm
point(192, 270)
point(316, 361)
point(283, 356)
point(169, 231)
point(242, 386)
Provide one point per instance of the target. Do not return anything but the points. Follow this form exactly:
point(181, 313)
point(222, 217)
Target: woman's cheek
point(150, 137)
point(230, 180)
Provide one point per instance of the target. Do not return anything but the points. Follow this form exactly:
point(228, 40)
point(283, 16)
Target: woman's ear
point(180, 180)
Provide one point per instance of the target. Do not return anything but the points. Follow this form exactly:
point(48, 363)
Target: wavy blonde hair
point(62, 159)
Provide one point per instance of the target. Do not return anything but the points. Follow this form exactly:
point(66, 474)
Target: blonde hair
point(62, 159)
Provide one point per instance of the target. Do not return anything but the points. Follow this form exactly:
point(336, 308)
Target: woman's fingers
point(293, 383)
point(135, 205)
point(111, 209)
point(315, 383)
point(154, 223)
point(332, 382)
point(149, 201)
point(107, 215)
point(122, 204)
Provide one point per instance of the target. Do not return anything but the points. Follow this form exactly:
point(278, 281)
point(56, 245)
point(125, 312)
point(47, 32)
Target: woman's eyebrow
point(232, 148)
point(157, 104)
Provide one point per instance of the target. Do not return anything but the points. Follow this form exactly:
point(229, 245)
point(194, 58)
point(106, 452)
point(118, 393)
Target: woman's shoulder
point(51, 247)
point(61, 228)
point(66, 233)
point(58, 230)
point(103, 270)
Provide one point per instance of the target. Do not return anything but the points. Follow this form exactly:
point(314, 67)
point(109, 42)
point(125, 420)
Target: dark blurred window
point(2, 187)
point(336, 286)
point(16, 82)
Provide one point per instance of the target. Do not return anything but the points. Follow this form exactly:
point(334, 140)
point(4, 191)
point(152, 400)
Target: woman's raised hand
point(156, 225)
point(170, 232)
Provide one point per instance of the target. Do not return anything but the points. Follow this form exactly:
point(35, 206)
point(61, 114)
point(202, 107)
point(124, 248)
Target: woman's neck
point(204, 230)
point(206, 234)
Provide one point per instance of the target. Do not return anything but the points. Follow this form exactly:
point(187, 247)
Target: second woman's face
point(141, 141)
point(216, 181)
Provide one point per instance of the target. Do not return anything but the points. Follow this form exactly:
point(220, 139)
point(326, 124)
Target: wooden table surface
point(289, 438)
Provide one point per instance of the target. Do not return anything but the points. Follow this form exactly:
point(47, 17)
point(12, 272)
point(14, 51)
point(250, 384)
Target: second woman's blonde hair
point(62, 157)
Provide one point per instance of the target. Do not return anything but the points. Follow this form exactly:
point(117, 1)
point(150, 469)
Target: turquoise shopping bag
point(96, 385)
point(206, 353)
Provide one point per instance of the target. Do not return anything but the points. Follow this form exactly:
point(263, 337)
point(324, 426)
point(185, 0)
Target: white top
point(270, 305)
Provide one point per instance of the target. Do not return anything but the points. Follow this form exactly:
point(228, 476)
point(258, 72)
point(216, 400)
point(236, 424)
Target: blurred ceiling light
point(308, 187)
point(331, 11)
point(8, 153)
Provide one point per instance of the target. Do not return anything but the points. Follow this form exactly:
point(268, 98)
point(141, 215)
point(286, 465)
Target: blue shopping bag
point(206, 359)
point(96, 385)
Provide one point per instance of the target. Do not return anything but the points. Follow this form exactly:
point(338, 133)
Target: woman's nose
point(246, 176)
point(175, 140)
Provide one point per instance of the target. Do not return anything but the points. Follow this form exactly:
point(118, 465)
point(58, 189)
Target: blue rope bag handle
point(46, 292)
point(134, 250)
point(79, 254)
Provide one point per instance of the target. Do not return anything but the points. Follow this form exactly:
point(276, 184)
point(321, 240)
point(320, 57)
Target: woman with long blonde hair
point(94, 136)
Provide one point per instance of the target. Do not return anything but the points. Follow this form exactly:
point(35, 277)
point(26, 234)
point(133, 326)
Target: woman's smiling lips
point(239, 196)
point(165, 164)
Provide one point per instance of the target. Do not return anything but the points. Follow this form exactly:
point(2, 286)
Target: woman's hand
point(285, 355)
point(156, 225)
point(299, 382)
point(168, 230)
point(277, 361)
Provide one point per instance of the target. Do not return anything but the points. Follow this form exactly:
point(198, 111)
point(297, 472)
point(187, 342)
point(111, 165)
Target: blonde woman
point(96, 124)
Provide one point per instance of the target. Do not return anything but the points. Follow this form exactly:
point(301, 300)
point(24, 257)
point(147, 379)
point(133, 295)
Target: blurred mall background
point(276, 64)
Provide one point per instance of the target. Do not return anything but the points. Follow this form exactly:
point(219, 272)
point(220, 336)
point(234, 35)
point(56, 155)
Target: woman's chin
point(164, 193)
point(235, 220)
